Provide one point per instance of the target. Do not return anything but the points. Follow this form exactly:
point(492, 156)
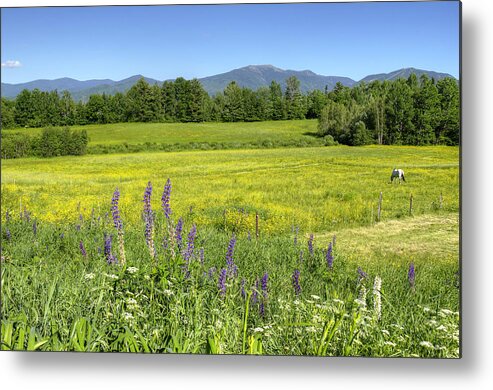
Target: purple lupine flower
point(149, 219)
point(221, 284)
point(264, 280)
point(8, 235)
point(296, 236)
point(27, 215)
point(165, 199)
point(201, 256)
point(255, 292)
point(232, 269)
point(249, 236)
point(211, 272)
point(334, 240)
point(310, 245)
point(179, 229)
point(7, 216)
point(117, 221)
point(35, 227)
point(243, 293)
point(361, 274)
point(82, 249)
point(329, 257)
point(107, 249)
point(411, 275)
point(263, 283)
point(296, 282)
point(301, 256)
point(191, 243)
point(62, 236)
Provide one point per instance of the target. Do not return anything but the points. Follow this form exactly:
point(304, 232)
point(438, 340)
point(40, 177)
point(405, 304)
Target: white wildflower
point(258, 330)
point(426, 309)
point(316, 297)
point(131, 301)
point(111, 276)
point(432, 323)
point(442, 327)
point(390, 343)
point(167, 293)
point(296, 302)
point(377, 297)
point(89, 276)
point(386, 332)
point(128, 316)
point(446, 312)
point(338, 301)
point(311, 329)
point(132, 270)
point(426, 344)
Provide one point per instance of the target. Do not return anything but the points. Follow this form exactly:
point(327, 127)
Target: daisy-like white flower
point(132, 270)
point(427, 344)
point(128, 316)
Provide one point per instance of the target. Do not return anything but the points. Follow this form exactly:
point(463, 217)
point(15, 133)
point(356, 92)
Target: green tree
point(294, 100)
point(276, 102)
point(448, 127)
point(399, 112)
point(233, 103)
point(8, 114)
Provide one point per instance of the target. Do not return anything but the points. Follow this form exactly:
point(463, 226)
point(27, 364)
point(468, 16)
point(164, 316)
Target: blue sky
point(163, 42)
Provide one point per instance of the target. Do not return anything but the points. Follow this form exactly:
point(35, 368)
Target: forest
point(413, 111)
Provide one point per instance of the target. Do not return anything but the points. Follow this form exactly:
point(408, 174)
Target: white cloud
point(11, 64)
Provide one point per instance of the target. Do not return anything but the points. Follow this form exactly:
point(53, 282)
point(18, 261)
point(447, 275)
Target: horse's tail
point(403, 178)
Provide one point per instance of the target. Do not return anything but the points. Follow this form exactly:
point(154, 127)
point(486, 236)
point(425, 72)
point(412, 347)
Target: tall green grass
point(56, 299)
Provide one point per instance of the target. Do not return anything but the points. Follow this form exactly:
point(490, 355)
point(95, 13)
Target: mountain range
point(252, 76)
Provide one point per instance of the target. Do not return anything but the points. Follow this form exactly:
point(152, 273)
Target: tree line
point(52, 142)
point(413, 111)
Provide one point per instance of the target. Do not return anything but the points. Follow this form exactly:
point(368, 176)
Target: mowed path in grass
point(318, 189)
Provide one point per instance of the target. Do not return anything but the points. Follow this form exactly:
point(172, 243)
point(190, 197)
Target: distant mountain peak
point(250, 76)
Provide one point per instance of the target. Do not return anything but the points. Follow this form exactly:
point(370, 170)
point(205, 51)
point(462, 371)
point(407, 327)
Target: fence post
point(379, 207)
point(411, 205)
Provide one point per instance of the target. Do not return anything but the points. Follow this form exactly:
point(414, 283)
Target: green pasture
point(187, 134)
point(317, 189)
point(56, 298)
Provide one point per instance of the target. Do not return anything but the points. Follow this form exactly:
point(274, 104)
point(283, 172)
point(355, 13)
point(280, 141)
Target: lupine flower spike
point(264, 293)
point(117, 222)
point(221, 284)
point(310, 244)
point(329, 257)
point(165, 199)
point(149, 220)
point(231, 266)
point(82, 249)
point(296, 282)
point(411, 275)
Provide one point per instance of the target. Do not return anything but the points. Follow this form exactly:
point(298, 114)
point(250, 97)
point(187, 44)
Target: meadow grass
point(317, 189)
point(138, 137)
point(56, 297)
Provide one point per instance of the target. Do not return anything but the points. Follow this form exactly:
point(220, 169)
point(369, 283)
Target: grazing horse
point(397, 173)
